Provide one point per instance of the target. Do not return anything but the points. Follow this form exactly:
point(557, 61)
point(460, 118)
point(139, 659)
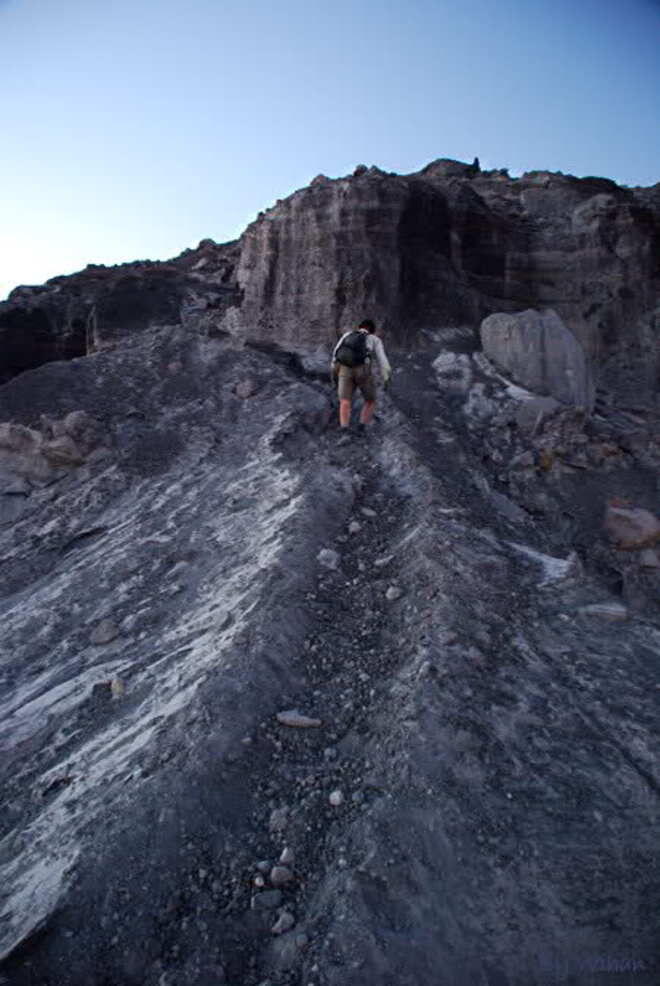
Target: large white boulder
point(536, 350)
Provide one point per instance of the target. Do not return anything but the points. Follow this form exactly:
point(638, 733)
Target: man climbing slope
point(353, 362)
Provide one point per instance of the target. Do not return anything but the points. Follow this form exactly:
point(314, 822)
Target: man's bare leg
point(344, 413)
point(367, 412)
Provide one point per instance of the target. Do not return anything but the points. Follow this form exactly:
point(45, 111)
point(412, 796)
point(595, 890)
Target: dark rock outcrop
point(97, 308)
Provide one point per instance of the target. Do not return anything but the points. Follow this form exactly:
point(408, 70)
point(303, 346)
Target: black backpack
point(353, 350)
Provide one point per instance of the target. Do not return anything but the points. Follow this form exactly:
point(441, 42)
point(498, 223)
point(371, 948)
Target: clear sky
point(131, 129)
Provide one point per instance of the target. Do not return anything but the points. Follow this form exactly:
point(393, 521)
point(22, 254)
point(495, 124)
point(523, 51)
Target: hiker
point(352, 364)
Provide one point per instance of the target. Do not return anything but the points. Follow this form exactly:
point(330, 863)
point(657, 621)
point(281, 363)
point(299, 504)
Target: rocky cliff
point(445, 246)
point(275, 710)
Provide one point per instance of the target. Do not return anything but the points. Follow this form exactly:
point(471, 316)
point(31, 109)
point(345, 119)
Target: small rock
point(285, 921)
point(302, 941)
point(246, 388)
point(649, 558)
point(259, 881)
point(608, 611)
point(631, 527)
point(287, 856)
point(354, 527)
point(385, 560)
point(279, 875)
point(294, 718)
point(62, 452)
point(368, 512)
point(263, 866)
point(336, 798)
point(328, 558)
point(103, 633)
point(393, 593)
point(267, 900)
point(278, 819)
point(117, 688)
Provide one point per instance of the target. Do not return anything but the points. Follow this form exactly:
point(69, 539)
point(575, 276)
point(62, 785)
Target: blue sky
point(133, 129)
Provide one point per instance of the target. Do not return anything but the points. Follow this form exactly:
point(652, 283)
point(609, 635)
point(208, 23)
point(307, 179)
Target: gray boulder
point(539, 352)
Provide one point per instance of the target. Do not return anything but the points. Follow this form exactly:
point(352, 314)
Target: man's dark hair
point(367, 324)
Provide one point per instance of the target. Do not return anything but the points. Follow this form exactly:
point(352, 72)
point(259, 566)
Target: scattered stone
point(267, 900)
point(259, 881)
point(117, 688)
point(382, 562)
point(263, 866)
point(279, 875)
point(104, 632)
point(329, 558)
point(284, 922)
point(354, 527)
point(649, 558)
point(278, 819)
point(368, 512)
point(631, 527)
point(532, 412)
point(336, 798)
point(62, 452)
point(287, 856)
point(454, 372)
point(294, 718)
point(393, 593)
point(246, 388)
point(608, 611)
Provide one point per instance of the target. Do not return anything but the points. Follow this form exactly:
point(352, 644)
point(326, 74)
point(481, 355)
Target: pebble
point(117, 688)
point(279, 875)
point(393, 593)
point(287, 856)
point(385, 560)
point(649, 558)
point(354, 527)
point(263, 866)
point(329, 558)
point(104, 632)
point(608, 611)
point(368, 512)
point(278, 819)
point(294, 718)
point(267, 900)
point(336, 798)
point(285, 921)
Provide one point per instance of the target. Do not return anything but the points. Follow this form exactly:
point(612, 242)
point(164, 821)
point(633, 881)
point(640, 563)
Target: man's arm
point(381, 359)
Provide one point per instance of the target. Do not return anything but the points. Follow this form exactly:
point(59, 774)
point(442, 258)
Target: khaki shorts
point(351, 377)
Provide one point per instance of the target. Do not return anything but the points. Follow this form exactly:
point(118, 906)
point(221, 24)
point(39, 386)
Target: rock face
point(450, 245)
point(539, 352)
point(446, 246)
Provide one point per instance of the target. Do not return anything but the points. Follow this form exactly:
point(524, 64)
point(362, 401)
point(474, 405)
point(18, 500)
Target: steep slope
point(478, 801)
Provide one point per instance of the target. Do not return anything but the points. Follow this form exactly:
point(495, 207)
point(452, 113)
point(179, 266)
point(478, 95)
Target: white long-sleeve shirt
point(375, 349)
